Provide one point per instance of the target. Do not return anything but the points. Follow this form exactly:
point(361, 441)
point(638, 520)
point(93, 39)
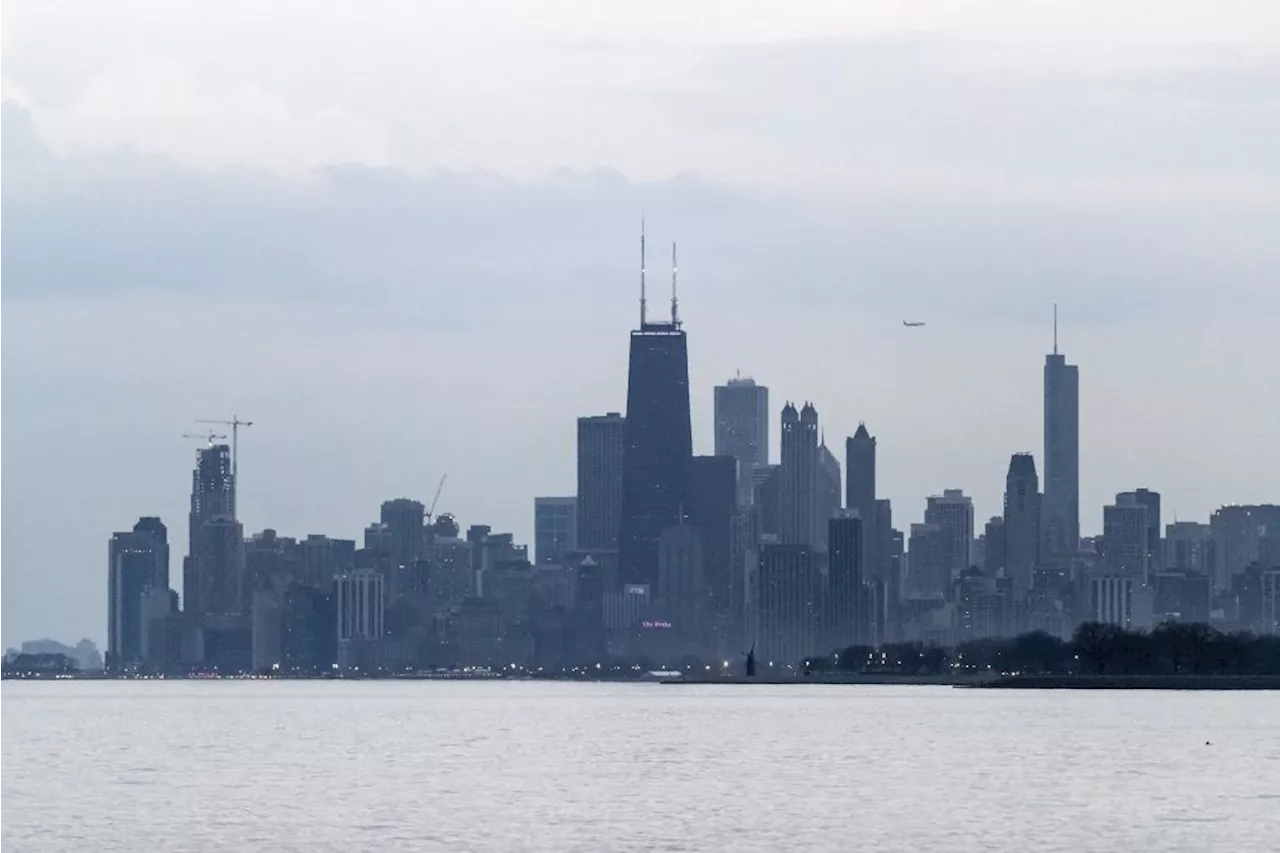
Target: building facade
point(742, 429)
point(1021, 522)
point(555, 529)
point(601, 442)
point(798, 475)
point(659, 446)
point(1061, 506)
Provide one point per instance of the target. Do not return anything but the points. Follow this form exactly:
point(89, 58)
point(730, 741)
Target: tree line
point(1173, 648)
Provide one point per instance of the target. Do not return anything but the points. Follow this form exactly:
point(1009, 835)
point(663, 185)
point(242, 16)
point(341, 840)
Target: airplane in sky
point(911, 324)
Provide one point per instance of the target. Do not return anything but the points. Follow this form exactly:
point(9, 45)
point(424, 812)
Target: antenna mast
point(1055, 328)
point(675, 311)
point(642, 302)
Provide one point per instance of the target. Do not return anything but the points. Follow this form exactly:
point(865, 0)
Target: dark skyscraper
point(844, 600)
point(798, 475)
point(742, 428)
point(993, 547)
point(659, 441)
point(787, 605)
point(1060, 513)
point(713, 507)
point(403, 519)
point(1021, 521)
point(212, 503)
point(601, 441)
point(138, 561)
point(860, 494)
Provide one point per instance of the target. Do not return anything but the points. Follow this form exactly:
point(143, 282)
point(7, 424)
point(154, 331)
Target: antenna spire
point(642, 300)
point(675, 311)
point(1055, 328)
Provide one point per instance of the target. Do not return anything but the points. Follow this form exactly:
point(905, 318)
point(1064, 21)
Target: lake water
point(94, 767)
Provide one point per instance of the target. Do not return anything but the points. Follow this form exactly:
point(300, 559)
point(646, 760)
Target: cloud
point(154, 107)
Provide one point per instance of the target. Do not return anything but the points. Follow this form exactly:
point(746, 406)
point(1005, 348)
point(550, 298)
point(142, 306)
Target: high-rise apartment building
point(1151, 500)
point(787, 605)
point(1060, 511)
point(1124, 538)
point(952, 512)
point(928, 561)
point(555, 522)
point(1240, 530)
point(1021, 522)
point(601, 442)
point(742, 429)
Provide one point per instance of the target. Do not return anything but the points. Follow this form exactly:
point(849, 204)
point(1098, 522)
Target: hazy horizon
point(405, 245)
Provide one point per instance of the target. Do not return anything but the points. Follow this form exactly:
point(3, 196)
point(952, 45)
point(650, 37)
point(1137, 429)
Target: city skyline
point(437, 305)
point(216, 482)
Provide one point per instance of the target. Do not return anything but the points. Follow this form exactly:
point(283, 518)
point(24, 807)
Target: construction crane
point(210, 436)
point(235, 423)
point(432, 510)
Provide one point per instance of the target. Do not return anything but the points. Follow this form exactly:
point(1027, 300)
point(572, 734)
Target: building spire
point(642, 300)
point(1055, 328)
point(675, 310)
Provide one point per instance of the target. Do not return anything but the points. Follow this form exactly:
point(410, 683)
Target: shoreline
point(1131, 682)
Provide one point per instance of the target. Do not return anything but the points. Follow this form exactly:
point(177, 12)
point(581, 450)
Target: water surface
point(510, 766)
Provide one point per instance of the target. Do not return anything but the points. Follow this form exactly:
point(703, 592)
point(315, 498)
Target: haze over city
point(404, 245)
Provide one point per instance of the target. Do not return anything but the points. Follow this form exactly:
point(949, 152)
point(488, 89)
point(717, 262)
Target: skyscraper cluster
point(664, 557)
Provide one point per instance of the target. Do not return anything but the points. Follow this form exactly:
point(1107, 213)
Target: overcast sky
point(401, 238)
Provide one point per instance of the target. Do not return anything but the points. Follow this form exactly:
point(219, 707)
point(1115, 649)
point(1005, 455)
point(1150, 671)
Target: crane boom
point(235, 423)
point(432, 511)
point(210, 436)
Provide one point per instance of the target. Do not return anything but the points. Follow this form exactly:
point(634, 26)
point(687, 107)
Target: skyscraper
point(212, 503)
point(742, 428)
point(829, 492)
point(713, 507)
point(1151, 500)
point(1060, 515)
point(137, 562)
point(659, 440)
point(1124, 538)
point(993, 547)
point(787, 605)
point(361, 606)
point(952, 512)
point(798, 475)
point(403, 519)
point(845, 614)
point(601, 440)
point(555, 522)
point(1021, 521)
point(860, 493)
point(222, 585)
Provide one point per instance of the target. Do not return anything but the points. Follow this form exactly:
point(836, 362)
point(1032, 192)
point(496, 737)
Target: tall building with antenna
point(1060, 509)
point(658, 450)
